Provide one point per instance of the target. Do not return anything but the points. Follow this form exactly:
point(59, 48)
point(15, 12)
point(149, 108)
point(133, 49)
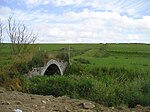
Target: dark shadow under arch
point(52, 70)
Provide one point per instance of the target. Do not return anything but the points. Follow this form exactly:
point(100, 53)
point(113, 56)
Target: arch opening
point(53, 69)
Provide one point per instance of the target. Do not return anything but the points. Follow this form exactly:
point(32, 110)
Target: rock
point(18, 102)
point(17, 110)
point(32, 97)
point(9, 108)
point(88, 105)
point(42, 107)
point(112, 107)
point(47, 99)
point(67, 109)
point(147, 108)
point(139, 106)
point(5, 103)
point(35, 106)
point(55, 110)
point(51, 96)
point(43, 101)
point(21, 93)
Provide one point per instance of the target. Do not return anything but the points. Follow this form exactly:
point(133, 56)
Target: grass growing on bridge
point(111, 74)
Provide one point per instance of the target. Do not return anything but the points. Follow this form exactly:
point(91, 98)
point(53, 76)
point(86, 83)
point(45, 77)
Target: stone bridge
point(51, 68)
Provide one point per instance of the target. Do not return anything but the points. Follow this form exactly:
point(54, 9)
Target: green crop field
point(109, 74)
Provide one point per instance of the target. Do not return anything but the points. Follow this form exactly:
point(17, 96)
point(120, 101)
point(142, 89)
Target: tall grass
point(108, 86)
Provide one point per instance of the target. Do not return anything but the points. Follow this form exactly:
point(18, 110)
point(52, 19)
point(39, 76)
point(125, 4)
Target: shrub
point(59, 86)
point(62, 56)
point(85, 88)
point(56, 86)
point(17, 82)
point(76, 69)
point(110, 88)
point(38, 60)
point(82, 61)
point(22, 67)
point(3, 78)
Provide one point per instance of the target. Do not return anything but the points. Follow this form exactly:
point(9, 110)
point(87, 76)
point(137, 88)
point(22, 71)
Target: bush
point(76, 69)
point(82, 61)
point(22, 67)
point(3, 78)
point(85, 88)
point(110, 88)
point(56, 86)
point(63, 56)
point(59, 86)
point(17, 82)
point(38, 60)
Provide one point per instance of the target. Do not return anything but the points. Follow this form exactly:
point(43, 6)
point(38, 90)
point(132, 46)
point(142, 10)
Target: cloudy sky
point(82, 21)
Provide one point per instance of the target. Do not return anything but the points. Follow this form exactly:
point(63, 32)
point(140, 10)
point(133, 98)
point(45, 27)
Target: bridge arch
point(53, 67)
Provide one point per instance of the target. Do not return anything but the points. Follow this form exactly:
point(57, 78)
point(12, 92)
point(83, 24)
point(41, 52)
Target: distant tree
point(1, 34)
point(19, 36)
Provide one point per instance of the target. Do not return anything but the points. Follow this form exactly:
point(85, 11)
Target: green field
point(131, 56)
point(109, 74)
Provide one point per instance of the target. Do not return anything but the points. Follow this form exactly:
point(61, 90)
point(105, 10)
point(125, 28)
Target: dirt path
point(12, 101)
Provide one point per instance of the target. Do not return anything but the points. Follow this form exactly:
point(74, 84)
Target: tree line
point(19, 36)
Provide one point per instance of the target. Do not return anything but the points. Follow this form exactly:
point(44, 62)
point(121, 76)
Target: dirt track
point(10, 101)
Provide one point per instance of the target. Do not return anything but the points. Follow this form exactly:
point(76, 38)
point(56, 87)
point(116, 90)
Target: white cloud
point(133, 8)
point(4, 11)
point(85, 26)
point(68, 2)
point(32, 3)
point(99, 27)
